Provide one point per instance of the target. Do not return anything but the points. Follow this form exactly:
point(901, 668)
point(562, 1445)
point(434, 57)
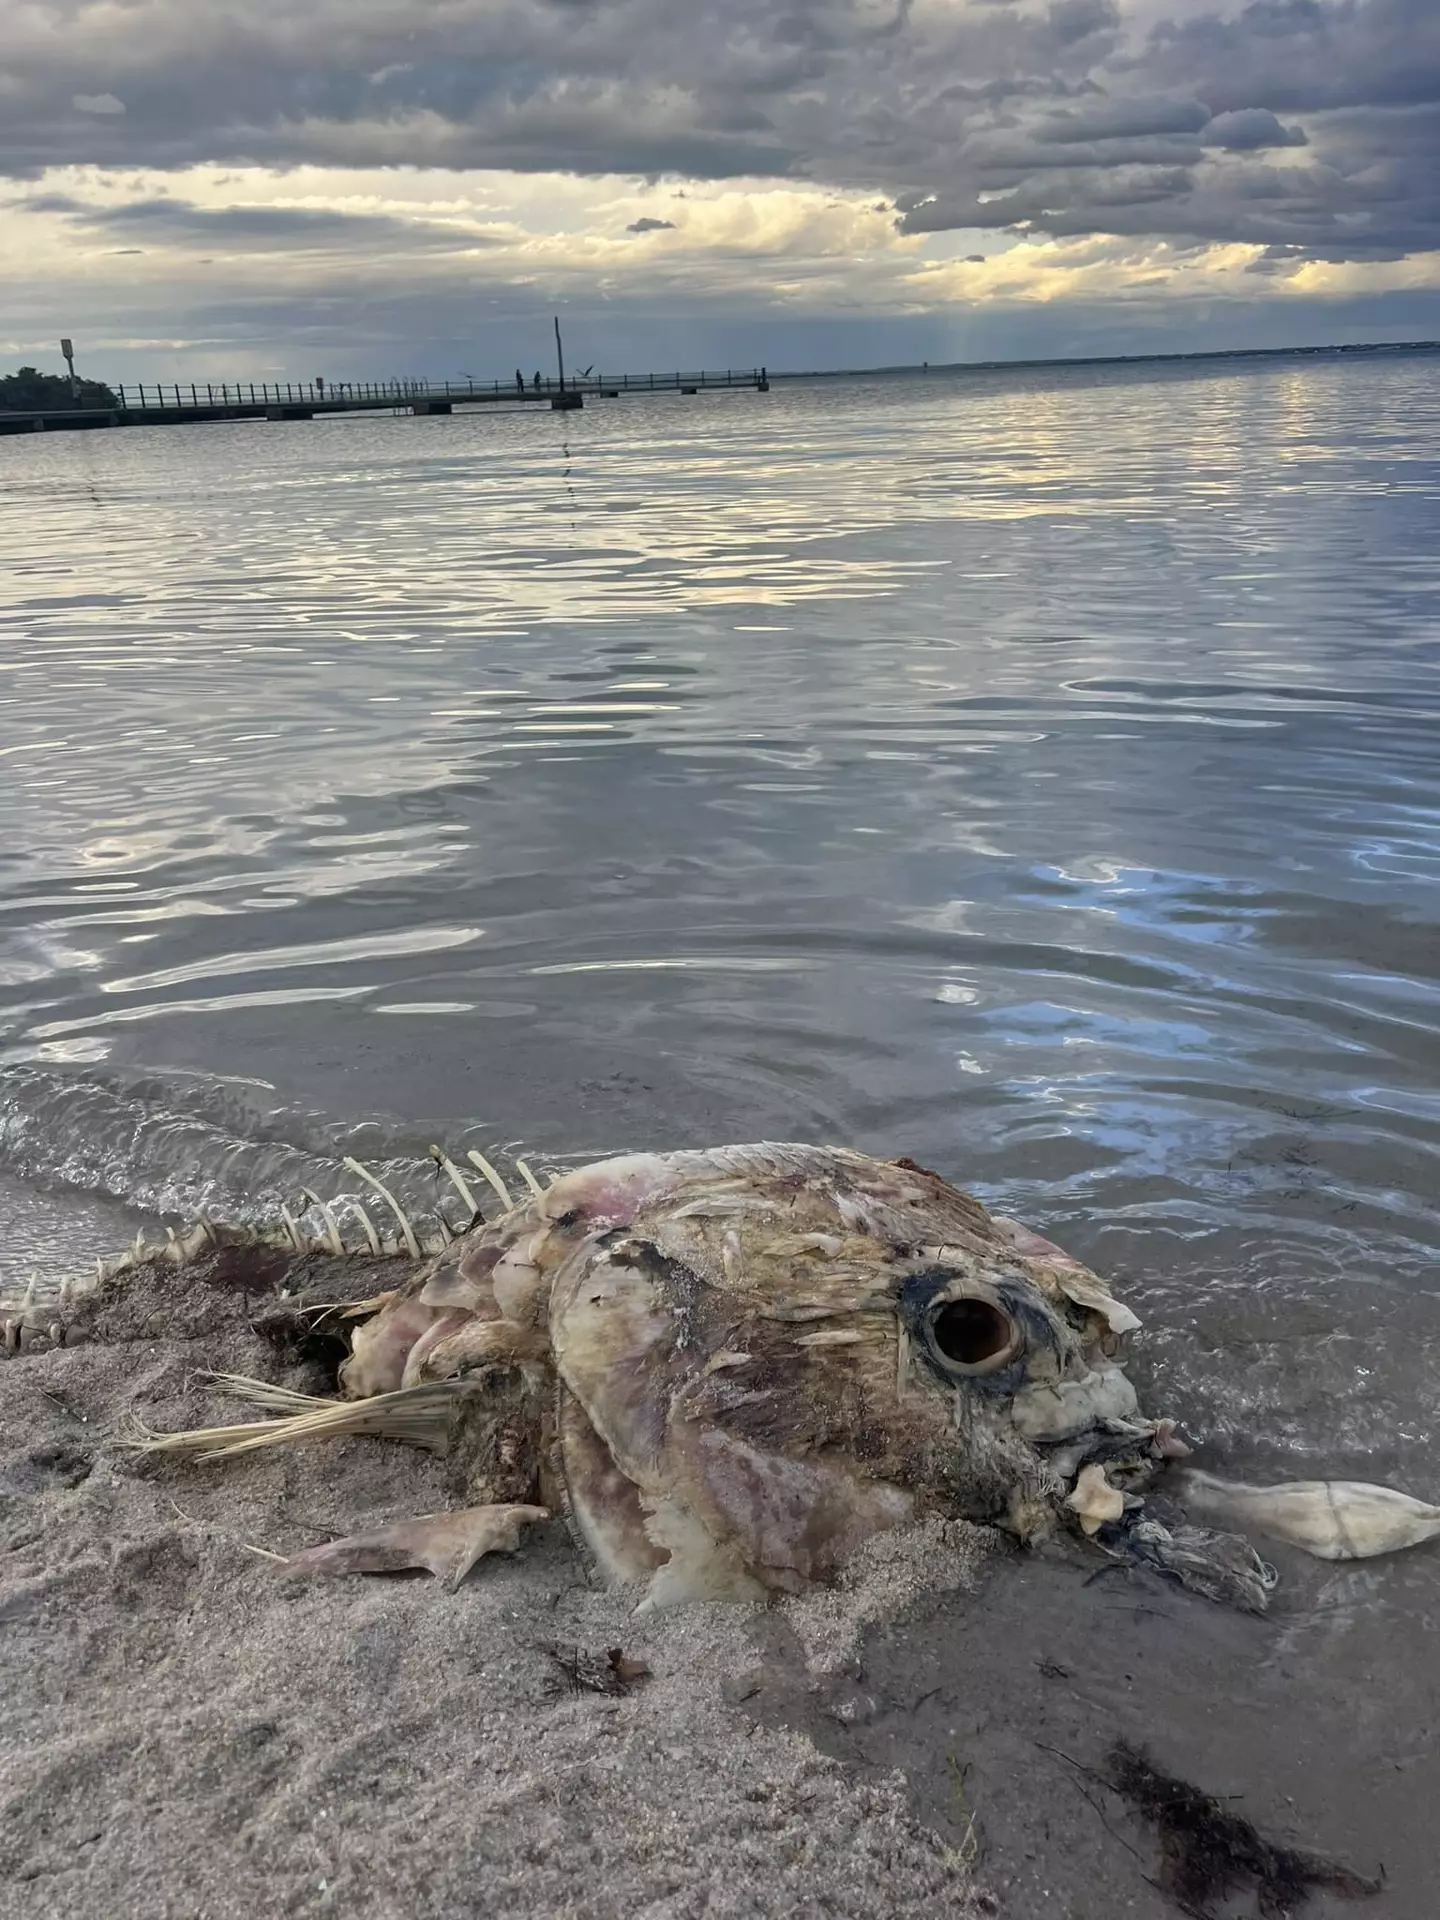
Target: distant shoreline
point(1112, 360)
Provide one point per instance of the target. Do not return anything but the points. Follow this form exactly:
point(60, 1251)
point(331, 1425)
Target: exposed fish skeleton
point(729, 1369)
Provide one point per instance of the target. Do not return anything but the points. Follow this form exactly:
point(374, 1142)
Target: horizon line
point(1107, 359)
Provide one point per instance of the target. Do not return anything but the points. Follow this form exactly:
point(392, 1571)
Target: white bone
point(334, 1239)
point(1094, 1499)
point(453, 1173)
point(380, 1187)
point(528, 1177)
point(1332, 1519)
point(477, 1159)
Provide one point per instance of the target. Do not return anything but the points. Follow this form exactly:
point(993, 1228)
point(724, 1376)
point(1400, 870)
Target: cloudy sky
point(262, 187)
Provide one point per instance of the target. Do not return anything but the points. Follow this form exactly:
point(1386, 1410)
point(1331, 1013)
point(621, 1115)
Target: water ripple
point(1034, 772)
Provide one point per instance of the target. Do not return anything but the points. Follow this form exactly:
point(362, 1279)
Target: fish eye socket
point(975, 1335)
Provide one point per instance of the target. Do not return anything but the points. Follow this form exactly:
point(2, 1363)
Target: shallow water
point(1037, 773)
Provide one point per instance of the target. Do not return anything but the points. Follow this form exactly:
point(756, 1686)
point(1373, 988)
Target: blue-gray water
point(1037, 774)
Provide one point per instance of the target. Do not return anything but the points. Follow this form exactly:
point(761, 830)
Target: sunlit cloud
point(881, 181)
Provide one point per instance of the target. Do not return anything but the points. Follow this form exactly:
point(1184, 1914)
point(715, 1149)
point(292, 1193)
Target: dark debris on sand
point(613, 1672)
point(1208, 1851)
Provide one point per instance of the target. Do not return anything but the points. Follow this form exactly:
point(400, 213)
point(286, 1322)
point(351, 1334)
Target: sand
point(187, 1732)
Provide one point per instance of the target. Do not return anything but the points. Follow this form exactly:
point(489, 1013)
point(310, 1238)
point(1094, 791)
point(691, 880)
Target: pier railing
point(161, 396)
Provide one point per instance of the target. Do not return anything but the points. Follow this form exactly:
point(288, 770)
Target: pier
point(194, 403)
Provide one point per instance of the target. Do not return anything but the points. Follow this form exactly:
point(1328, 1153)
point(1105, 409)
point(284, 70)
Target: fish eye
point(975, 1336)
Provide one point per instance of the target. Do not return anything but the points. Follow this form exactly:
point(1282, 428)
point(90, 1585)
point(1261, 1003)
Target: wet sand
point(1318, 1724)
point(185, 1731)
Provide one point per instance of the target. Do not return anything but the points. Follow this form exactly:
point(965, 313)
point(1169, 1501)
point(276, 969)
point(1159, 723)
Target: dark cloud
point(647, 225)
point(180, 222)
point(1247, 129)
point(1310, 123)
point(1122, 119)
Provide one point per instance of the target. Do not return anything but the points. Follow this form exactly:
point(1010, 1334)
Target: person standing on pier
point(519, 381)
point(537, 380)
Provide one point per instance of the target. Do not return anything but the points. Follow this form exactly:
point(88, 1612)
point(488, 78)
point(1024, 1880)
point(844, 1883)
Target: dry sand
point(187, 1732)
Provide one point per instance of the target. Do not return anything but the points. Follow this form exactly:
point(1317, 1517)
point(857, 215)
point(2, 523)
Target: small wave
point(173, 1148)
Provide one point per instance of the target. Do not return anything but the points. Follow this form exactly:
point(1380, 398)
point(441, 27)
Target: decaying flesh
point(728, 1369)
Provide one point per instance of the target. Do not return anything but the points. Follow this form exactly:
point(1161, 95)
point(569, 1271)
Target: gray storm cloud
point(1299, 124)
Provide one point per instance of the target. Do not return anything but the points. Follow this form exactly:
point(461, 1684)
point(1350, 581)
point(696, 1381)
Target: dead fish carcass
point(729, 1369)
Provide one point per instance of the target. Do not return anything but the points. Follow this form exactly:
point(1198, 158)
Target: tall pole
point(559, 353)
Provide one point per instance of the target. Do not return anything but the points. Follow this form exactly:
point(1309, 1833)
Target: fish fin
point(445, 1544)
point(265, 1393)
point(419, 1415)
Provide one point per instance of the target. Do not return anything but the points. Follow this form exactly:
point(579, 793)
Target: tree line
point(28, 388)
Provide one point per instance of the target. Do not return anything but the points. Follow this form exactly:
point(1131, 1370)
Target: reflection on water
point(1036, 774)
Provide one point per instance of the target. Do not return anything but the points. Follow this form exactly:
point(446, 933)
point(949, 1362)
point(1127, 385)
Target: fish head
point(792, 1404)
point(781, 1356)
point(1013, 1371)
point(1038, 1364)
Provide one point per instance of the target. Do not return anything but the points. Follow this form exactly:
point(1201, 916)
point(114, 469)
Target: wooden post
point(559, 353)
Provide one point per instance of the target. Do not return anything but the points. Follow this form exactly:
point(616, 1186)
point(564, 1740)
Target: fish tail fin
point(419, 1416)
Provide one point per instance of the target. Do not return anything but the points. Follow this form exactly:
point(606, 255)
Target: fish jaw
point(1060, 1410)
